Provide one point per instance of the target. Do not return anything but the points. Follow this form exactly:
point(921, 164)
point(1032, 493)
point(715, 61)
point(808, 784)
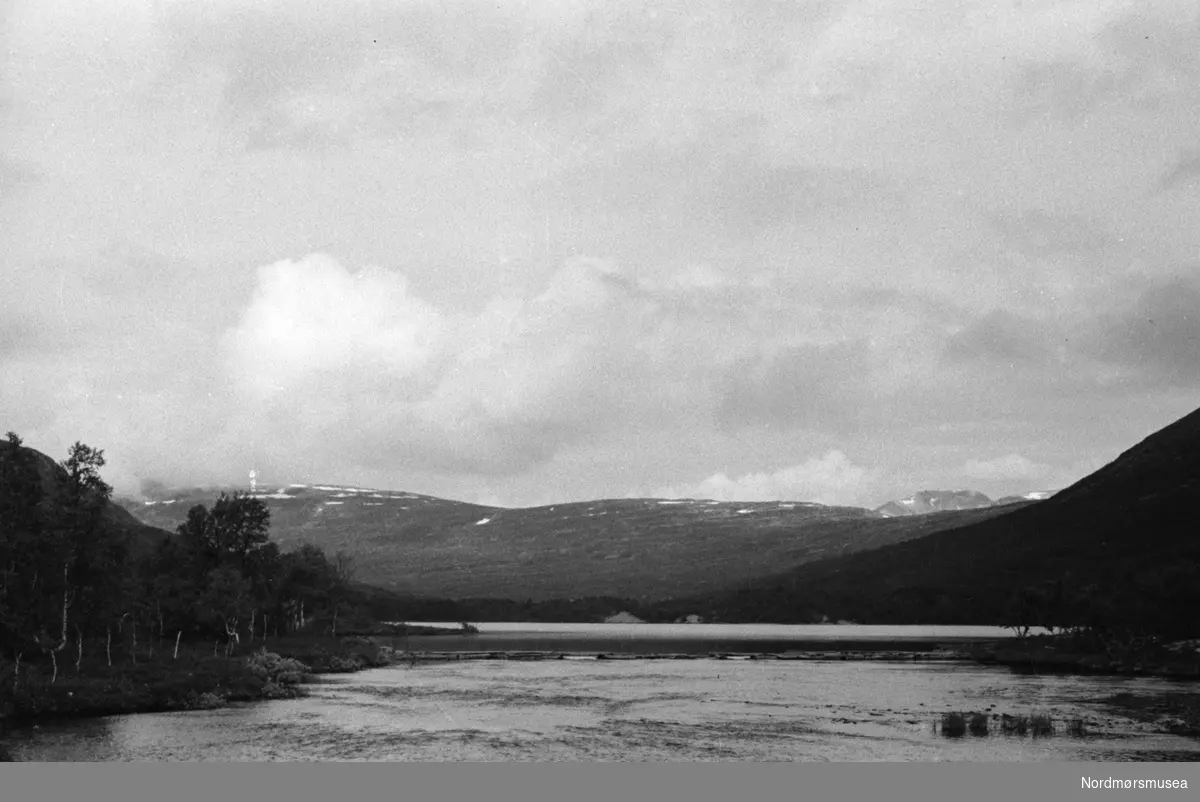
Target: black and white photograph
point(601, 381)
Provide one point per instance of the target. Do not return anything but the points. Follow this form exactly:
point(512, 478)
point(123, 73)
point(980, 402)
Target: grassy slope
point(640, 549)
point(1128, 521)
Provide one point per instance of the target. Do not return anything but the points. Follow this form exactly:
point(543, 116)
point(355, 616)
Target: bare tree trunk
point(78, 648)
point(253, 613)
point(68, 597)
point(133, 650)
point(17, 671)
point(108, 644)
point(302, 613)
point(177, 636)
point(215, 644)
point(158, 607)
point(333, 631)
point(231, 635)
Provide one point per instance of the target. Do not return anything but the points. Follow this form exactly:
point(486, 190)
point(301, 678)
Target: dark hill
point(1122, 543)
point(114, 518)
point(643, 549)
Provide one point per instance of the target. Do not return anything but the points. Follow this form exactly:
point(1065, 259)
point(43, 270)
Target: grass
point(1014, 725)
point(1040, 725)
point(954, 725)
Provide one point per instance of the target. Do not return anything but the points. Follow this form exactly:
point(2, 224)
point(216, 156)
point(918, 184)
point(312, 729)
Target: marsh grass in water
point(957, 724)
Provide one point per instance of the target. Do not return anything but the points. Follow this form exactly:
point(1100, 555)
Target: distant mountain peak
point(927, 501)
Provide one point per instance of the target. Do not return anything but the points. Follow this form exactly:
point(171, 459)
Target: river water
point(635, 710)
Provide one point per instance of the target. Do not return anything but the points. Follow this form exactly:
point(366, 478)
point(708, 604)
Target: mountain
point(928, 501)
point(1122, 542)
point(643, 549)
point(1036, 495)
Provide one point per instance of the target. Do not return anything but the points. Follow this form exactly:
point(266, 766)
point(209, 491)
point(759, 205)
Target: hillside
point(115, 518)
point(644, 549)
point(1122, 543)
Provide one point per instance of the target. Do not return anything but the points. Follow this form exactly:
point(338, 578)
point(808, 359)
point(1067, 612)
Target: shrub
point(275, 690)
point(203, 701)
point(339, 664)
point(271, 667)
point(979, 724)
point(1075, 728)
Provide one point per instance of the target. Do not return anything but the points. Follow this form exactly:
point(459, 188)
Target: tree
point(227, 601)
point(232, 532)
point(23, 551)
point(99, 566)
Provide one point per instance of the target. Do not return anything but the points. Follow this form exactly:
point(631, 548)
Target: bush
point(270, 667)
point(275, 690)
point(1076, 729)
point(203, 701)
point(979, 724)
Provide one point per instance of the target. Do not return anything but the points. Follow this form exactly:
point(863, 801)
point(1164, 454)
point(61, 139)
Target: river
point(640, 710)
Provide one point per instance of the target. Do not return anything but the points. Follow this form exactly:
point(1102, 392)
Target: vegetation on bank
point(95, 619)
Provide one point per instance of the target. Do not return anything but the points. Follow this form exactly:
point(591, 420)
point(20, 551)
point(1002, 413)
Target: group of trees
point(73, 578)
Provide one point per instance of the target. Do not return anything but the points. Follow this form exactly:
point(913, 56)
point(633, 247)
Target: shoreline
point(397, 645)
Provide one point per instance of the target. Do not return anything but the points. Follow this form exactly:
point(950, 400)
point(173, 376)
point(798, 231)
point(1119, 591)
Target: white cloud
point(323, 350)
point(831, 479)
point(1008, 467)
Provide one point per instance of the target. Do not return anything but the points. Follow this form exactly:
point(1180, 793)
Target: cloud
point(807, 385)
point(1010, 467)
point(1040, 234)
point(1185, 172)
point(357, 357)
point(1155, 338)
point(15, 176)
point(999, 336)
point(830, 479)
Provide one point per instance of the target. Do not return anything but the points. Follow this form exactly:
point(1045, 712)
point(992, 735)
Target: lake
point(699, 638)
point(639, 710)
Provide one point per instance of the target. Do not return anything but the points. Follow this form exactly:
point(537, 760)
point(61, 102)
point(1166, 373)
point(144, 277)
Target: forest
point(85, 595)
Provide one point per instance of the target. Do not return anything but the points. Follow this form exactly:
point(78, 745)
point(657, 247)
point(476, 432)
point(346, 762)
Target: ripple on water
point(633, 710)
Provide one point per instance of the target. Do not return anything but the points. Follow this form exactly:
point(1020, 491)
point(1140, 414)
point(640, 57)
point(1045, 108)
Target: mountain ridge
point(1121, 545)
point(644, 549)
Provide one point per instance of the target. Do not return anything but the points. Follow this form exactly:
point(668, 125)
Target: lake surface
point(831, 632)
point(637, 710)
point(697, 638)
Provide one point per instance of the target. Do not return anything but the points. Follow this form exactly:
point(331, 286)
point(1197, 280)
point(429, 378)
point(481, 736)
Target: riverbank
point(1066, 654)
point(198, 676)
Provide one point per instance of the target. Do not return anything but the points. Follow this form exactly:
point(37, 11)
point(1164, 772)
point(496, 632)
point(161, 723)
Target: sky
point(525, 253)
